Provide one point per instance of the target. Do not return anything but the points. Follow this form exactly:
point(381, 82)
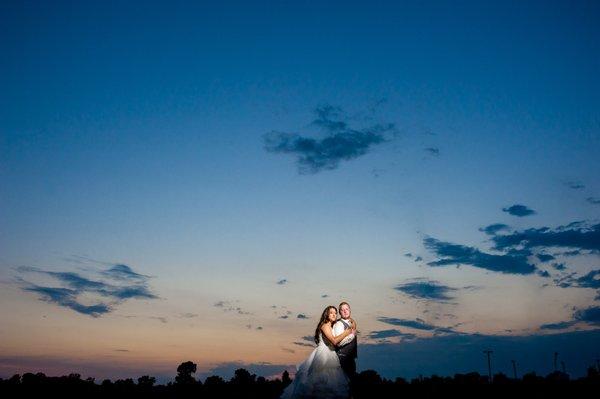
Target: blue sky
point(219, 149)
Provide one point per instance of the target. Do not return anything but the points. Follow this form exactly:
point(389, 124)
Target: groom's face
point(345, 311)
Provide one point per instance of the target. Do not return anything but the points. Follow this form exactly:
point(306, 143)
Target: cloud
point(302, 316)
point(341, 142)
point(590, 315)
point(455, 254)
point(494, 228)
point(545, 257)
point(123, 284)
point(417, 324)
point(383, 334)
point(228, 306)
point(433, 151)
point(426, 290)
point(575, 235)
point(593, 200)
point(282, 281)
point(575, 185)
point(519, 210)
point(558, 326)
point(67, 298)
point(124, 272)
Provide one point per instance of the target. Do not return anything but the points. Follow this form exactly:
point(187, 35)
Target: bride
point(320, 375)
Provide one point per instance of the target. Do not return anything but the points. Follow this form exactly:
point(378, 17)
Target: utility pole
point(555, 360)
point(488, 353)
point(514, 368)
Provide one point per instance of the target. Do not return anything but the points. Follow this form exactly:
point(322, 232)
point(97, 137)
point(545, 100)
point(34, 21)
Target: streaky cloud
point(430, 290)
point(455, 254)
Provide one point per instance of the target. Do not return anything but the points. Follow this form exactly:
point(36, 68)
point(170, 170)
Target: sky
point(194, 181)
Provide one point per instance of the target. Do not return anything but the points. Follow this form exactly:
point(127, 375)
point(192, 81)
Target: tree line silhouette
point(243, 384)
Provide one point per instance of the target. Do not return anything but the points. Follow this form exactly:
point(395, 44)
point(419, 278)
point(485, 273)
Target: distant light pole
point(555, 360)
point(514, 368)
point(488, 353)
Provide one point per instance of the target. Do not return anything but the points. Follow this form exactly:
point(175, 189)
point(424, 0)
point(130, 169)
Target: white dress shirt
point(338, 328)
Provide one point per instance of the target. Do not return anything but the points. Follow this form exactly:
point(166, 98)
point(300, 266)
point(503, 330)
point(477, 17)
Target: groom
point(346, 350)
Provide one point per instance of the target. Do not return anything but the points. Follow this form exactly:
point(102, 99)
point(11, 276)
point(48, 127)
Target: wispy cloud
point(417, 324)
point(575, 185)
point(455, 254)
point(341, 142)
point(574, 235)
point(384, 334)
point(426, 289)
point(120, 283)
point(494, 228)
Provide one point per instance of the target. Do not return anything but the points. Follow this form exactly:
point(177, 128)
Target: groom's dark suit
point(348, 354)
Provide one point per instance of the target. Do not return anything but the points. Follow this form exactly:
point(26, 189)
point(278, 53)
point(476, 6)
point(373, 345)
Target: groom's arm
point(338, 328)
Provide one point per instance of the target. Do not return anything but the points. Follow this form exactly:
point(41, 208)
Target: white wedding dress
point(319, 376)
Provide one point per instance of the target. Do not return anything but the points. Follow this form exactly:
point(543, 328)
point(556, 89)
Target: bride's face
point(332, 315)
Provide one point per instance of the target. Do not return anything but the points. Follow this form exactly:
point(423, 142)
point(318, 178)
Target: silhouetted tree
point(184, 373)
point(285, 378)
point(146, 381)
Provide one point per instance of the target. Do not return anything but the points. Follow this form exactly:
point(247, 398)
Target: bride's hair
point(324, 319)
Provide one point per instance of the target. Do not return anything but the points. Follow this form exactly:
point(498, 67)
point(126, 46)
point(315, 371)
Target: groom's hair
point(342, 304)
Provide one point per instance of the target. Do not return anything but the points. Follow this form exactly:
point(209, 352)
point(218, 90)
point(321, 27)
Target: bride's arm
point(328, 332)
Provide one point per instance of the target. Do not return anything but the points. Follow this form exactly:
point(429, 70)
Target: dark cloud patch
point(384, 334)
point(324, 296)
point(494, 228)
point(228, 306)
point(545, 257)
point(189, 315)
point(162, 319)
point(282, 281)
point(430, 290)
point(559, 266)
point(302, 316)
point(434, 151)
point(417, 324)
point(575, 185)
point(589, 315)
point(557, 326)
point(67, 298)
point(341, 143)
point(308, 338)
point(455, 254)
point(543, 273)
point(519, 210)
point(418, 259)
point(124, 272)
point(408, 255)
point(593, 200)
point(575, 235)
point(123, 284)
point(284, 316)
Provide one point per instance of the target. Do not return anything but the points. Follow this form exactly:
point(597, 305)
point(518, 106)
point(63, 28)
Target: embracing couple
point(331, 367)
